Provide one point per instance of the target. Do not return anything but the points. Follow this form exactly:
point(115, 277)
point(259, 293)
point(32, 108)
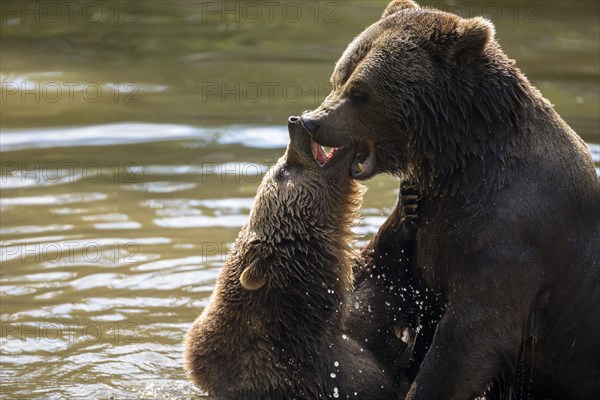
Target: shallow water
point(113, 231)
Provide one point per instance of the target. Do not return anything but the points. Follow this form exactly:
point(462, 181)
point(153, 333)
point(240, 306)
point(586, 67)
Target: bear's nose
point(309, 124)
point(293, 120)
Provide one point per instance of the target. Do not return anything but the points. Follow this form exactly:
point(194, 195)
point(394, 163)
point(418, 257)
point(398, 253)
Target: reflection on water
point(113, 232)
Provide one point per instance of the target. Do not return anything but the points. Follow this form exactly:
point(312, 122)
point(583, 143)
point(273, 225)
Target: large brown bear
point(510, 209)
point(274, 327)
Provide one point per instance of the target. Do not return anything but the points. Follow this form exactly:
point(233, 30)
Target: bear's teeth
point(329, 151)
point(315, 151)
point(322, 154)
point(319, 155)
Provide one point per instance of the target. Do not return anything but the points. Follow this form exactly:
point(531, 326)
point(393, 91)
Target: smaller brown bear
point(274, 326)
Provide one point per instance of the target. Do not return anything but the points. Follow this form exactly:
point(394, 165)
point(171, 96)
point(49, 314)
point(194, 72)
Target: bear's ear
point(253, 278)
point(398, 5)
point(474, 34)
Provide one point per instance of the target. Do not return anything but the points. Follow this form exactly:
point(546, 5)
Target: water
point(116, 214)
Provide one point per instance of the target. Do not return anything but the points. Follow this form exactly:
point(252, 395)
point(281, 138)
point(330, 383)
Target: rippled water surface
point(116, 216)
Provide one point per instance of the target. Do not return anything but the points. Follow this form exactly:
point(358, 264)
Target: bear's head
point(416, 83)
point(305, 205)
point(308, 186)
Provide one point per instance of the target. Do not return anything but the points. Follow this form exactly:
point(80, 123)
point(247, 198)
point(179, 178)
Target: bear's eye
point(357, 93)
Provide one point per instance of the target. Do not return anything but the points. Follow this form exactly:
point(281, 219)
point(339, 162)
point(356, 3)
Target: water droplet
point(333, 375)
point(336, 364)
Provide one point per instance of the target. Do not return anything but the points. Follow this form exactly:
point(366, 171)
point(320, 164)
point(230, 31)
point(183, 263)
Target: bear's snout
point(295, 127)
point(309, 123)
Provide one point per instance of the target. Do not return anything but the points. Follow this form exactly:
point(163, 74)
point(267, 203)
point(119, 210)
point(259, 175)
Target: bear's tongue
point(320, 155)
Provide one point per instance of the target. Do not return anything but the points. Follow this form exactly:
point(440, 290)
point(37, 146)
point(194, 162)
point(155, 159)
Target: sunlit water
point(113, 232)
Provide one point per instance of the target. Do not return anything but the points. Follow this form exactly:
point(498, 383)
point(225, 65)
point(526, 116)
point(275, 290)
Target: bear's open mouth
point(364, 162)
point(363, 165)
point(322, 154)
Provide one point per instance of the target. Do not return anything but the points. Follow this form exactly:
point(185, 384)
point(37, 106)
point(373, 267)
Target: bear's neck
point(309, 268)
point(306, 296)
point(470, 143)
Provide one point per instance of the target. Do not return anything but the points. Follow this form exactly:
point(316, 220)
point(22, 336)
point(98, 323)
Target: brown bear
point(510, 202)
point(274, 327)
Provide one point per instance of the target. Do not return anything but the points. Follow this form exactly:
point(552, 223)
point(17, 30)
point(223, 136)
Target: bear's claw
point(409, 205)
